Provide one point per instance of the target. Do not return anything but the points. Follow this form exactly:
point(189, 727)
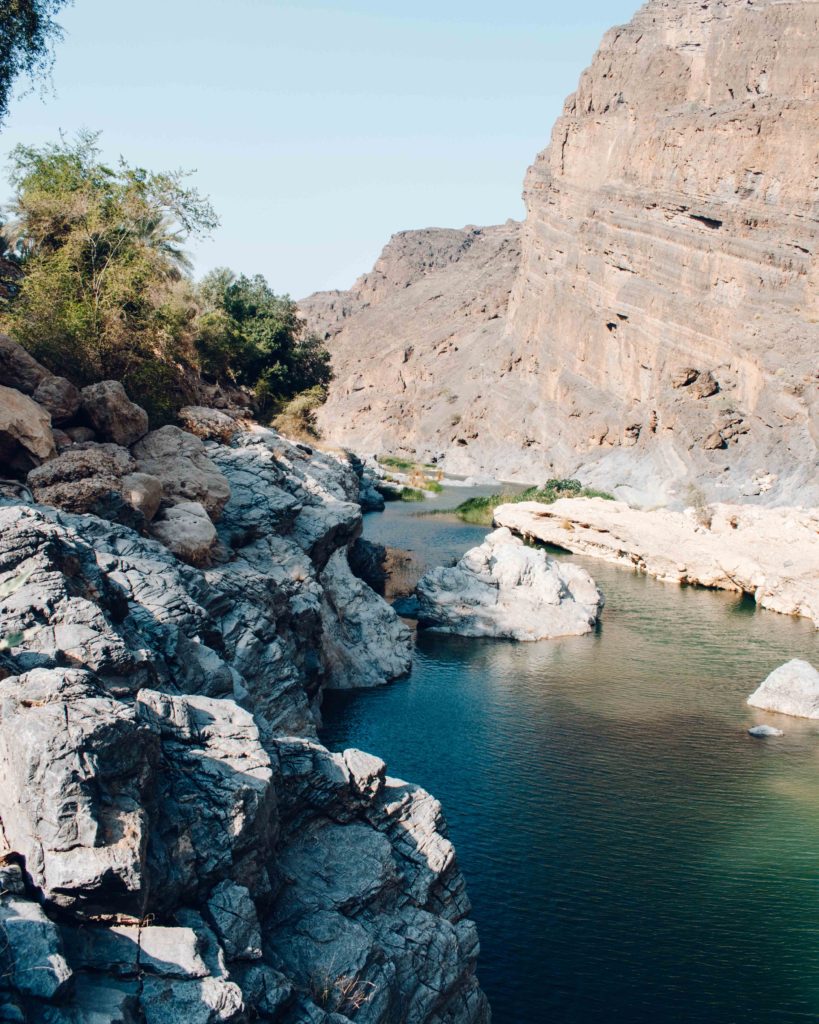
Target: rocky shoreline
point(771, 554)
point(176, 845)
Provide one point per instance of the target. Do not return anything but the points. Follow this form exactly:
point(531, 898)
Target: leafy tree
point(104, 292)
point(27, 34)
point(250, 336)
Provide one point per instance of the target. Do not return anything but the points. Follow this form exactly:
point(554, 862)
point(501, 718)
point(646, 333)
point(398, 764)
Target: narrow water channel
point(632, 855)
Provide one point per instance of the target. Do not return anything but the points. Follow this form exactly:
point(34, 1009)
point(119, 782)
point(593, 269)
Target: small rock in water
point(760, 731)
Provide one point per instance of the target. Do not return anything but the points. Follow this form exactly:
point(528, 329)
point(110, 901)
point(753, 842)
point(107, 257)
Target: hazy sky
point(320, 128)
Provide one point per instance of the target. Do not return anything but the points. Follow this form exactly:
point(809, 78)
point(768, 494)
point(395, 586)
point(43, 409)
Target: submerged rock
point(761, 731)
point(791, 689)
point(504, 589)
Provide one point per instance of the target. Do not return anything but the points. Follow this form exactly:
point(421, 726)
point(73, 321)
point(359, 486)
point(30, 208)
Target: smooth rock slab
point(791, 689)
point(504, 589)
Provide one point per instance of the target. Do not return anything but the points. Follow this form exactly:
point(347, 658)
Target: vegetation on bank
point(479, 510)
point(103, 289)
point(420, 477)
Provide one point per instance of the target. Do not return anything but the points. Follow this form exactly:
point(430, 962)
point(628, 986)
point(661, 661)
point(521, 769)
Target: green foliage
point(250, 336)
point(479, 510)
point(412, 494)
point(104, 292)
point(298, 418)
point(27, 34)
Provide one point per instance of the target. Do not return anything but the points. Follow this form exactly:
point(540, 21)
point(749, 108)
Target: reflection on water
point(631, 853)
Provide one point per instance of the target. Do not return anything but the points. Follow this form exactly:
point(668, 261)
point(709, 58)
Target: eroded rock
point(112, 414)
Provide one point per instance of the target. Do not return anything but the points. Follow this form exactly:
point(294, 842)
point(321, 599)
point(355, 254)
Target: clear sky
point(320, 128)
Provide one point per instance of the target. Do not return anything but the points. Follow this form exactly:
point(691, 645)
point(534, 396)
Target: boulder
point(112, 414)
point(18, 368)
point(791, 689)
point(187, 530)
point(209, 424)
point(180, 461)
point(88, 479)
point(59, 397)
point(763, 731)
point(357, 620)
point(143, 492)
point(80, 435)
point(504, 589)
point(26, 439)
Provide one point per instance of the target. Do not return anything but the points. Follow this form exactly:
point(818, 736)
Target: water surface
point(632, 855)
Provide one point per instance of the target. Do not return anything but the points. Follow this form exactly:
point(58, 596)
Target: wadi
point(440, 650)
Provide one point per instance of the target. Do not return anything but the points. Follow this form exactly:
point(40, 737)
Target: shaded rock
point(26, 439)
point(505, 589)
point(31, 951)
point(791, 689)
point(88, 478)
point(355, 620)
point(233, 915)
point(209, 424)
point(112, 414)
point(18, 368)
point(127, 950)
point(367, 562)
point(322, 530)
point(187, 530)
point(683, 377)
point(180, 461)
point(761, 731)
point(59, 397)
point(80, 435)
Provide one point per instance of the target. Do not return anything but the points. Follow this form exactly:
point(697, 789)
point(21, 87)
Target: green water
point(631, 853)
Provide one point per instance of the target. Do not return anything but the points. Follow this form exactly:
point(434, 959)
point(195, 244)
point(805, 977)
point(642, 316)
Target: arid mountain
point(655, 322)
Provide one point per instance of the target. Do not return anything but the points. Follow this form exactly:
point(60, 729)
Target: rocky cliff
point(663, 323)
point(175, 844)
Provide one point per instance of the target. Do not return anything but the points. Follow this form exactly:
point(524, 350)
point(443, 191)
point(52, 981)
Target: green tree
point(250, 336)
point(104, 292)
point(28, 32)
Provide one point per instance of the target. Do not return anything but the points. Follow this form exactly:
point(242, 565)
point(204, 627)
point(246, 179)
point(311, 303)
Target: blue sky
point(320, 128)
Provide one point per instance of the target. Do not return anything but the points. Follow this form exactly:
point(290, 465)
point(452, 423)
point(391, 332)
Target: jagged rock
point(504, 589)
point(74, 764)
point(186, 529)
point(209, 424)
point(355, 620)
point(180, 461)
point(233, 915)
point(704, 386)
point(730, 547)
point(259, 502)
point(112, 414)
point(59, 397)
point(791, 689)
point(31, 950)
point(367, 562)
point(88, 478)
point(322, 530)
point(26, 439)
point(683, 377)
point(18, 368)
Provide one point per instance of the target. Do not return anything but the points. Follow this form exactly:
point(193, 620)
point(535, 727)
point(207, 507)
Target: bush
point(479, 510)
point(298, 418)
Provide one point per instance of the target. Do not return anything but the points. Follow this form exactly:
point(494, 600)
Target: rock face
point(791, 689)
point(770, 554)
point(503, 589)
point(663, 321)
point(175, 845)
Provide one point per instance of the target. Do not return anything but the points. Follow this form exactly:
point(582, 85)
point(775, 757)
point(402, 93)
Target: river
point(632, 855)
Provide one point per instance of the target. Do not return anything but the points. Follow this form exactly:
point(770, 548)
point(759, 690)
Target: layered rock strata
point(663, 323)
point(770, 554)
point(175, 844)
point(503, 589)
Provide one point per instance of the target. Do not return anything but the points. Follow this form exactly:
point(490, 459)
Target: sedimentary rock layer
point(664, 317)
point(770, 554)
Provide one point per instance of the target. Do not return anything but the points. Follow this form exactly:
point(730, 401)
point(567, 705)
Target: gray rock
point(233, 915)
point(762, 731)
point(186, 529)
point(180, 461)
point(112, 414)
point(31, 951)
point(143, 492)
point(791, 689)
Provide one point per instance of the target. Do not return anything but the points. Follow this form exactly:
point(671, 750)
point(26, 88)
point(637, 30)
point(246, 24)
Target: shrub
point(298, 418)
point(480, 510)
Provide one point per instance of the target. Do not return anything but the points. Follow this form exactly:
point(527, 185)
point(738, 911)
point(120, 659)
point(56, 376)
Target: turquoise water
point(632, 855)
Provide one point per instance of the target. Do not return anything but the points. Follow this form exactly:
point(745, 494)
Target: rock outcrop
point(791, 689)
point(663, 322)
point(504, 589)
point(175, 844)
point(770, 554)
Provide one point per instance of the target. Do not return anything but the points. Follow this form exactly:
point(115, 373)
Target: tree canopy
point(28, 32)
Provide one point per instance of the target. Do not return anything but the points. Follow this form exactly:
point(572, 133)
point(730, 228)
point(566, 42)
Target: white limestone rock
point(504, 589)
point(760, 732)
point(791, 689)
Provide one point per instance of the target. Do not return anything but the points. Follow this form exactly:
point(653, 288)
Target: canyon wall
point(662, 325)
